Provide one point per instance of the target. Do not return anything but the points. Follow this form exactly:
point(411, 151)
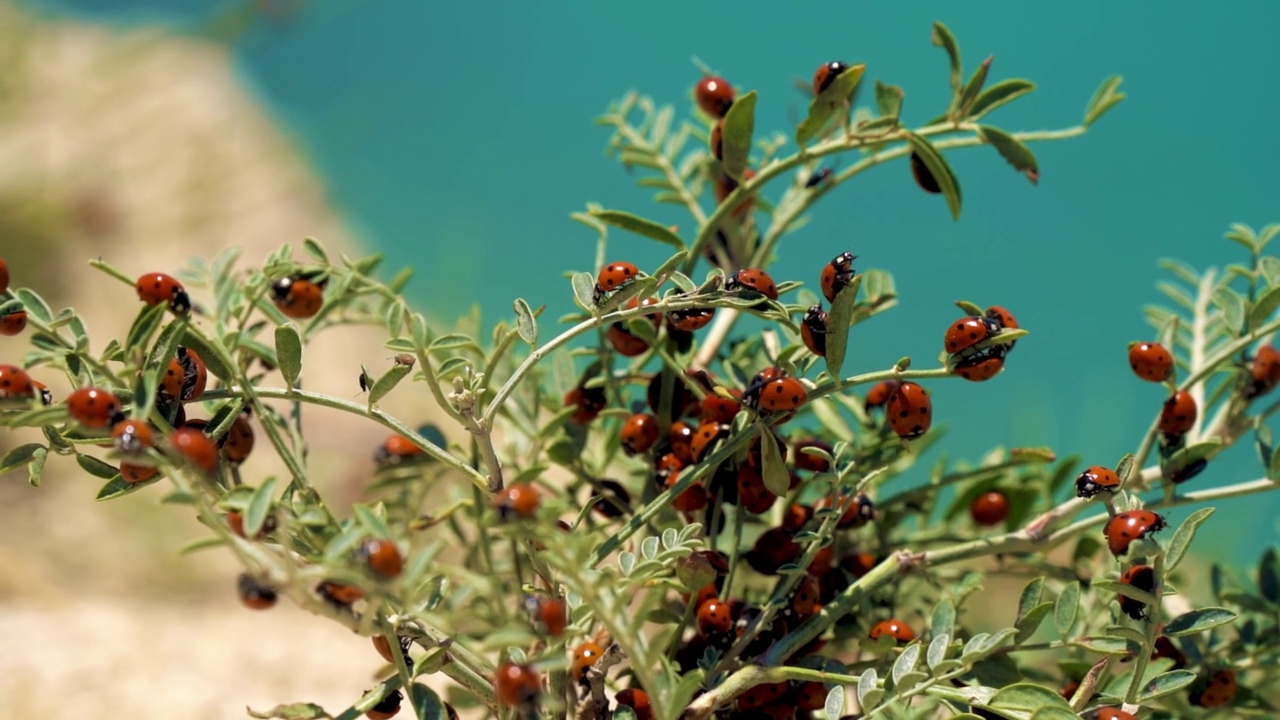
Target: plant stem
point(638, 140)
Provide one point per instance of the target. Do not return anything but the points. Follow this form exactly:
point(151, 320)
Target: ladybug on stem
point(94, 408)
point(752, 280)
point(159, 288)
point(894, 628)
point(813, 330)
point(612, 277)
point(1126, 527)
point(15, 383)
point(254, 594)
point(1096, 479)
point(1151, 361)
point(298, 296)
point(13, 323)
point(910, 411)
point(826, 74)
point(837, 274)
point(1142, 577)
point(714, 95)
point(517, 686)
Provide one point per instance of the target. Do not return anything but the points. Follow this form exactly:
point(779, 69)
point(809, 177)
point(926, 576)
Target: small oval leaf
point(526, 323)
point(1196, 621)
point(640, 226)
point(289, 352)
point(739, 125)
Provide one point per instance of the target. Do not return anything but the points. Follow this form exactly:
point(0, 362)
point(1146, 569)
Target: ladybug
point(1142, 577)
point(589, 402)
point(680, 440)
point(397, 449)
point(15, 383)
point(990, 508)
point(818, 177)
point(879, 394)
point(94, 408)
point(639, 433)
point(1070, 689)
point(774, 548)
point(837, 274)
point(156, 288)
point(859, 511)
point(236, 522)
point(1150, 361)
point(706, 436)
point(383, 558)
point(238, 442)
point(613, 276)
point(186, 377)
point(693, 499)
point(812, 463)
point(1003, 320)
point(1179, 413)
point(725, 186)
point(717, 140)
point(383, 646)
point(255, 595)
point(1096, 479)
point(716, 408)
point(796, 516)
point(298, 297)
point(805, 601)
point(1220, 690)
point(714, 619)
point(338, 593)
point(516, 685)
point(924, 178)
point(895, 629)
point(624, 342)
point(519, 500)
point(4, 276)
point(714, 95)
point(761, 696)
point(967, 332)
point(1126, 527)
point(826, 74)
point(813, 330)
point(387, 707)
point(584, 656)
point(134, 474)
point(13, 323)
point(1110, 713)
point(753, 496)
point(614, 499)
point(983, 366)
point(637, 700)
point(778, 395)
point(132, 436)
point(1264, 372)
point(690, 319)
point(547, 614)
point(195, 447)
point(910, 411)
point(46, 397)
point(1164, 648)
point(752, 280)
point(858, 564)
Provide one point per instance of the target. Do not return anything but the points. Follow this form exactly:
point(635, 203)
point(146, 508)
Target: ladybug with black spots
point(613, 276)
point(910, 411)
point(1142, 577)
point(1219, 691)
point(186, 377)
point(15, 383)
point(382, 557)
point(1150, 361)
point(894, 628)
point(517, 501)
point(1178, 414)
point(639, 433)
point(584, 656)
point(298, 296)
point(813, 330)
point(387, 707)
point(1096, 479)
point(752, 280)
point(159, 288)
point(13, 323)
point(983, 365)
point(254, 594)
point(879, 394)
point(826, 74)
point(1126, 527)
point(837, 274)
point(967, 332)
point(94, 408)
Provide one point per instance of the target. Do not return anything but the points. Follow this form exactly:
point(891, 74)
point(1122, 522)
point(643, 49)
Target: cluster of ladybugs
point(967, 356)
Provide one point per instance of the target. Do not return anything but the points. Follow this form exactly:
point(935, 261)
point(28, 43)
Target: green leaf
point(1264, 308)
point(640, 226)
point(835, 98)
point(259, 508)
point(166, 346)
point(1066, 608)
point(937, 651)
point(833, 708)
point(584, 287)
point(739, 124)
point(96, 467)
point(1053, 713)
point(1107, 644)
point(944, 618)
point(943, 38)
point(1124, 467)
point(1269, 575)
point(1107, 97)
point(526, 323)
point(388, 382)
point(973, 87)
point(1183, 536)
point(117, 487)
point(869, 692)
point(1196, 621)
point(1012, 150)
point(18, 457)
point(905, 663)
point(839, 320)
point(1232, 306)
point(213, 360)
point(35, 468)
point(1030, 597)
point(294, 711)
point(940, 170)
point(776, 478)
point(888, 99)
point(429, 705)
point(289, 352)
point(1002, 92)
point(1165, 684)
point(1187, 455)
point(34, 304)
point(1028, 624)
point(313, 248)
point(371, 521)
point(1027, 697)
point(144, 326)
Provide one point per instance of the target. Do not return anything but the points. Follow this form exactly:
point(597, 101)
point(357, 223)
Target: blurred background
point(457, 138)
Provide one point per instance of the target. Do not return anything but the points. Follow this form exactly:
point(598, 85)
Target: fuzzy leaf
point(1263, 308)
point(289, 352)
point(1027, 697)
point(295, 711)
point(869, 692)
point(776, 477)
point(526, 323)
point(259, 507)
point(1066, 608)
point(1028, 624)
point(96, 467)
point(1232, 306)
point(1012, 150)
point(388, 382)
point(1107, 97)
point(117, 487)
point(937, 650)
point(940, 170)
point(1002, 92)
point(34, 304)
point(584, 286)
point(833, 708)
point(1182, 538)
point(1030, 597)
point(1196, 621)
point(944, 618)
point(825, 104)
point(1164, 684)
point(18, 457)
point(144, 326)
point(35, 467)
point(429, 705)
point(739, 124)
point(839, 320)
point(905, 663)
point(640, 226)
point(888, 99)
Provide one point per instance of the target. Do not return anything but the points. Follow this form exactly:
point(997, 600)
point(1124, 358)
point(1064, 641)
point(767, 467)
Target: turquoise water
point(457, 138)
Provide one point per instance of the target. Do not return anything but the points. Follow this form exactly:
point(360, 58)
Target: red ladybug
point(813, 330)
point(774, 548)
point(383, 558)
point(254, 594)
point(895, 629)
point(186, 377)
point(397, 449)
point(338, 593)
point(858, 511)
point(761, 697)
point(837, 274)
point(826, 74)
point(1220, 690)
point(613, 276)
point(706, 436)
point(1126, 527)
point(725, 186)
point(132, 436)
point(858, 564)
point(15, 383)
point(983, 366)
point(236, 522)
point(1164, 648)
point(614, 501)
point(924, 178)
point(156, 288)
point(520, 500)
point(549, 615)
point(387, 707)
point(4, 276)
point(680, 438)
point(720, 409)
point(13, 323)
point(778, 395)
point(990, 508)
point(680, 401)
point(624, 342)
point(967, 332)
point(133, 474)
point(516, 685)
point(812, 463)
point(1150, 361)
point(714, 95)
point(584, 656)
point(690, 319)
point(639, 433)
point(910, 411)
point(1096, 479)
point(805, 602)
point(195, 447)
point(693, 499)
point(94, 408)
point(298, 297)
point(879, 394)
point(1108, 713)
point(383, 646)
point(637, 700)
point(1142, 577)
point(1264, 372)
point(1179, 413)
point(589, 402)
point(752, 280)
point(714, 618)
point(1003, 320)
point(238, 442)
point(717, 140)
point(753, 496)
point(796, 516)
